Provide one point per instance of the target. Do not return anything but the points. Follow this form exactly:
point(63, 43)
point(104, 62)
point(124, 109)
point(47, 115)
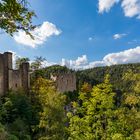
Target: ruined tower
point(12, 79)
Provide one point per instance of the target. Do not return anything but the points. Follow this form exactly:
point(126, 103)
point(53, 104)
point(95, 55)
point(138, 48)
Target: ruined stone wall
point(24, 69)
point(12, 79)
point(1, 75)
point(65, 82)
point(7, 58)
point(20, 79)
point(15, 83)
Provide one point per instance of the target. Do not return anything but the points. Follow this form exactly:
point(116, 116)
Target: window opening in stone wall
point(16, 85)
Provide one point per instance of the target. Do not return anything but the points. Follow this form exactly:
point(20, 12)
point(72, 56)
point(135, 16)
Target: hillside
point(116, 72)
point(93, 76)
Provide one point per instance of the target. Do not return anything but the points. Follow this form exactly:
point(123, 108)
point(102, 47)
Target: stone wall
point(15, 83)
point(1, 75)
point(7, 59)
point(25, 77)
point(65, 82)
point(12, 79)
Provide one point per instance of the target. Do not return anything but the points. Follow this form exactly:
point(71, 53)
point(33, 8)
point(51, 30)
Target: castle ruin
point(65, 82)
point(12, 79)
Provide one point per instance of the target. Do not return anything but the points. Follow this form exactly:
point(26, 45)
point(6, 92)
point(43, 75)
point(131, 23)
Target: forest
point(105, 106)
point(98, 110)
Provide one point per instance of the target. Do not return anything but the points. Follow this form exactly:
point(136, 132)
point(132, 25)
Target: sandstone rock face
point(12, 79)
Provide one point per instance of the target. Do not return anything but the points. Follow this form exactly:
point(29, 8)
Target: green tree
point(92, 118)
point(18, 116)
point(15, 15)
point(3, 133)
point(86, 87)
point(97, 115)
point(52, 114)
point(37, 64)
point(19, 61)
point(131, 103)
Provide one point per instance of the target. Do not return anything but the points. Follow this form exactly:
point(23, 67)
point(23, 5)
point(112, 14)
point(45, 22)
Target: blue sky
point(81, 33)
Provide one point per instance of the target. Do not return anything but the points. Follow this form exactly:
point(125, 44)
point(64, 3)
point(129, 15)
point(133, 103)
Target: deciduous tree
point(15, 15)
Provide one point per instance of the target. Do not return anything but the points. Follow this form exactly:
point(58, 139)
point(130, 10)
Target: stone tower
point(65, 81)
point(12, 79)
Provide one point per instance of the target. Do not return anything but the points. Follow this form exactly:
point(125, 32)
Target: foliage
point(38, 62)
point(19, 61)
point(3, 133)
point(92, 113)
point(46, 72)
point(89, 121)
point(86, 87)
point(17, 114)
point(15, 15)
point(96, 75)
point(52, 114)
point(71, 96)
point(97, 115)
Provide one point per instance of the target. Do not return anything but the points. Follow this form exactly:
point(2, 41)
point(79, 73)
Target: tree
point(86, 87)
point(19, 61)
point(3, 133)
point(15, 15)
point(37, 64)
point(91, 119)
point(18, 116)
point(52, 114)
point(131, 103)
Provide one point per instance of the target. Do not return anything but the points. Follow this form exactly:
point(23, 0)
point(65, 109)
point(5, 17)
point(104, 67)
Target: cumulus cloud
point(124, 57)
point(127, 56)
point(118, 36)
point(40, 34)
point(105, 5)
point(131, 8)
point(75, 64)
point(47, 64)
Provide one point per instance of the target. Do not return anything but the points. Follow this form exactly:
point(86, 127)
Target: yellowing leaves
point(132, 100)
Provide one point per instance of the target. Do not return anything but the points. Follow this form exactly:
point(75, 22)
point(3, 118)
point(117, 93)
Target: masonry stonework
point(12, 79)
point(65, 82)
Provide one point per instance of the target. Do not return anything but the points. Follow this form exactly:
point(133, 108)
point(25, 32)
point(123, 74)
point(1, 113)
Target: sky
point(80, 34)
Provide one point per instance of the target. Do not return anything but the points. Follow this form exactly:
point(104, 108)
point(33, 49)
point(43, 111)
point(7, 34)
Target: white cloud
point(127, 56)
point(131, 8)
point(105, 5)
point(41, 34)
point(74, 64)
point(47, 64)
point(124, 57)
point(118, 36)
